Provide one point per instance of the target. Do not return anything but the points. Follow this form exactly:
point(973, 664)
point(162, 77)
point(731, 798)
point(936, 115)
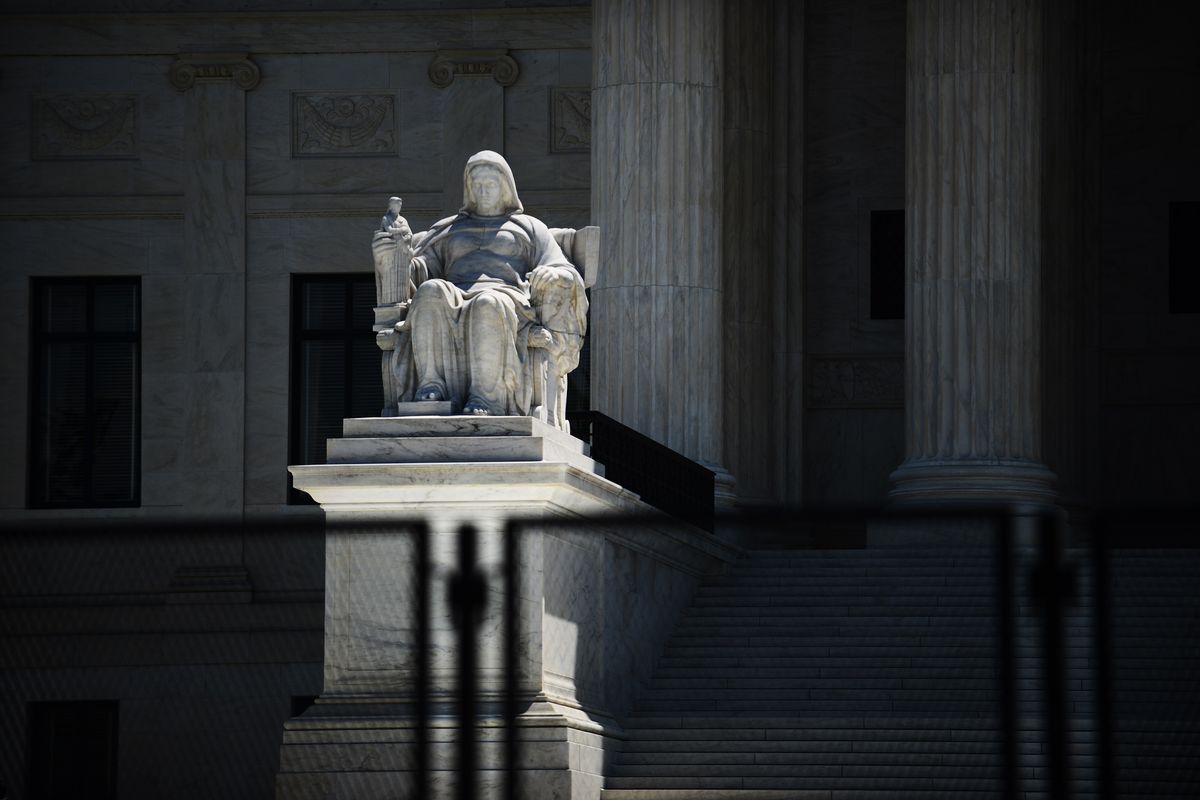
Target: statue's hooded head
point(490, 160)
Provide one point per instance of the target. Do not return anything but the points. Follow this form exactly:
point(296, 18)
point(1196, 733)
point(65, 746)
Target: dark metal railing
point(662, 477)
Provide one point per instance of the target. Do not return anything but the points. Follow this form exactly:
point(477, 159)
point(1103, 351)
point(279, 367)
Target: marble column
point(973, 260)
point(657, 311)
point(213, 318)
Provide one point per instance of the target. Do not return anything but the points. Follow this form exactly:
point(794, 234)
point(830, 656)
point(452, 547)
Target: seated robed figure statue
point(475, 296)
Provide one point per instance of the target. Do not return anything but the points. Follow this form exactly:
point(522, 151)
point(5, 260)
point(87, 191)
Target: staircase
point(874, 673)
point(1156, 672)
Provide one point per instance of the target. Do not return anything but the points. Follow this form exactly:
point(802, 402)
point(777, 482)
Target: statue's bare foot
point(430, 393)
point(477, 409)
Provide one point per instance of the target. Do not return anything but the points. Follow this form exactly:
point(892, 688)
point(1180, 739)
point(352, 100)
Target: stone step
point(833, 690)
point(461, 425)
point(947, 746)
point(909, 766)
point(822, 661)
point(849, 670)
point(821, 707)
point(875, 582)
point(448, 450)
point(989, 758)
point(904, 606)
point(875, 675)
point(817, 734)
point(850, 635)
point(981, 574)
point(909, 682)
point(785, 794)
point(828, 780)
point(865, 649)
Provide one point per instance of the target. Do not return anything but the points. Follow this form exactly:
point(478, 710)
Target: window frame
point(39, 337)
point(299, 335)
point(41, 714)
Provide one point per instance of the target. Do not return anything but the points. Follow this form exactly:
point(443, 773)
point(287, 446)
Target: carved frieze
point(189, 69)
point(856, 381)
point(496, 64)
point(570, 119)
point(330, 124)
point(69, 126)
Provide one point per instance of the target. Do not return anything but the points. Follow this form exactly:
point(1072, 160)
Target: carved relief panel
point(570, 119)
point(329, 124)
point(856, 381)
point(71, 126)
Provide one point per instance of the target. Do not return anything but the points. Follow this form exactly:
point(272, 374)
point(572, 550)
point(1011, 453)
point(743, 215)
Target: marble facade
point(217, 155)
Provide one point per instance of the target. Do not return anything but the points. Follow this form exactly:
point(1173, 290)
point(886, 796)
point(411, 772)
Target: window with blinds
point(336, 366)
point(85, 438)
point(73, 750)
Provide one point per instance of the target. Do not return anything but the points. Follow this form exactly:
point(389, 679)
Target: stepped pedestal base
point(595, 604)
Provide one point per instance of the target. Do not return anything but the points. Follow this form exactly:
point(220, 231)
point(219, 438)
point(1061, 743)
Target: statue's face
point(487, 186)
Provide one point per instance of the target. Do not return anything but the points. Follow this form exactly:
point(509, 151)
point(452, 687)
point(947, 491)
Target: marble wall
point(1149, 358)
point(215, 194)
point(853, 375)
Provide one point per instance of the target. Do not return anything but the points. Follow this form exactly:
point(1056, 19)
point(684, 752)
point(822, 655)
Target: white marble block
point(596, 603)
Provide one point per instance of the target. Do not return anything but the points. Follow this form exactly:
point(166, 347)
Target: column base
point(938, 484)
point(724, 487)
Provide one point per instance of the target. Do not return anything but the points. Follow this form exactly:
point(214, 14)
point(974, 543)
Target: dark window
point(1184, 258)
point(73, 750)
point(336, 365)
point(85, 438)
point(887, 264)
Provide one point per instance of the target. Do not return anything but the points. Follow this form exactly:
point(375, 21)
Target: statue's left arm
point(557, 294)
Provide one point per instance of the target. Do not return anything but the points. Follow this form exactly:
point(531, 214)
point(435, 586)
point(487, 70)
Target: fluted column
point(656, 195)
point(973, 209)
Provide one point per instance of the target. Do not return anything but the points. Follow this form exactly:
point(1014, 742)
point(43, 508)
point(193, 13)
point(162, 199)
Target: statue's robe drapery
point(473, 304)
point(472, 312)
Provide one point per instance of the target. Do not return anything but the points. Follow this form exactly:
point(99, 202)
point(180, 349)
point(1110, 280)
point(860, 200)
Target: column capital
point(496, 64)
point(190, 68)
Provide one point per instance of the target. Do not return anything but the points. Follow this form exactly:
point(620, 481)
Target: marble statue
point(483, 313)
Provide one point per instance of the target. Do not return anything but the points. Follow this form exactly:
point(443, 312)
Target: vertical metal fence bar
point(421, 701)
point(1051, 577)
point(465, 599)
point(1007, 635)
point(512, 636)
point(1103, 695)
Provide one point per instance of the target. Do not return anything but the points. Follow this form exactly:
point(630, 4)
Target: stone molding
point(84, 126)
point(450, 64)
point(190, 68)
point(570, 119)
point(295, 32)
point(856, 381)
point(326, 124)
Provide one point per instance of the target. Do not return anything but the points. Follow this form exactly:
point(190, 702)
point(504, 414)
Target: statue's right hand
point(384, 243)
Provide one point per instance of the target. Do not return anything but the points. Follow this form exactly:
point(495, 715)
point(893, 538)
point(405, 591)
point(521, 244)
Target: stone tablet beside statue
point(485, 312)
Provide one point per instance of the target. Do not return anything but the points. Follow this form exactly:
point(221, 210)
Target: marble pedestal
point(596, 605)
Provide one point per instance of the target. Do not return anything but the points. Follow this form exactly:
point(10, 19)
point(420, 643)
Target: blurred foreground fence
point(1093, 632)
